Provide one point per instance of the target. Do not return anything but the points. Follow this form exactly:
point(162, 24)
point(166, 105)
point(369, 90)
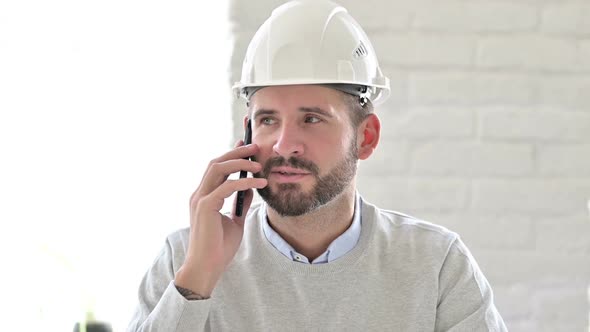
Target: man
point(314, 255)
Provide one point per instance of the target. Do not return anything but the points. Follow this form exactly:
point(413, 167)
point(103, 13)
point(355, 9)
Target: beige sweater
point(403, 275)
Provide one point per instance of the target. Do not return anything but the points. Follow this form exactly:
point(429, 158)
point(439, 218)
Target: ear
point(246, 117)
point(368, 135)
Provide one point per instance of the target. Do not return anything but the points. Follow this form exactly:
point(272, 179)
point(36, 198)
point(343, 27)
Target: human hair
point(356, 111)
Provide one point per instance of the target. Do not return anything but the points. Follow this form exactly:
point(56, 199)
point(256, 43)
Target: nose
point(289, 141)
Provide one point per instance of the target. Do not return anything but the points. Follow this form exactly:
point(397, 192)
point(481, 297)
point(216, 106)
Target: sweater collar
point(338, 248)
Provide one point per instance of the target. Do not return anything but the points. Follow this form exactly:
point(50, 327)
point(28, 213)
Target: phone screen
point(243, 174)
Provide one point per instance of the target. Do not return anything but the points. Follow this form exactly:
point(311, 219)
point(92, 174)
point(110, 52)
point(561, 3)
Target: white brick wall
point(469, 88)
point(562, 91)
point(428, 123)
point(569, 18)
point(465, 158)
point(487, 132)
point(530, 52)
point(418, 49)
point(479, 16)
point(535, 124)
point(556, 160)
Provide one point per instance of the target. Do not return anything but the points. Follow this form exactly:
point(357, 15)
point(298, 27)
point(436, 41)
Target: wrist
point(198, 283)
point(190, 295)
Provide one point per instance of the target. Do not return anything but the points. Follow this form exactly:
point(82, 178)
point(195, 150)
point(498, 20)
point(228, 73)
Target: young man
point(314, 255)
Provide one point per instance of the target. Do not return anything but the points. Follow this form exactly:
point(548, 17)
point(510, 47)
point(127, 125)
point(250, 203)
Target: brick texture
point(480, 16)
point(566, 18)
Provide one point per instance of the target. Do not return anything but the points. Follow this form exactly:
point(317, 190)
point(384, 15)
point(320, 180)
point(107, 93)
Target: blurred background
point(110, 111)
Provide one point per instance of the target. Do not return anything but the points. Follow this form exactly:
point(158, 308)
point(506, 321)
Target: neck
point(311, 234)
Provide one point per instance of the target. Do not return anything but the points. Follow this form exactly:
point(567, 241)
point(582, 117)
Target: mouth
point(287, 174)
point(289, 171)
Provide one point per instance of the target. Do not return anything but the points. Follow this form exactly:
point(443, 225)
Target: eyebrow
point(317, 110)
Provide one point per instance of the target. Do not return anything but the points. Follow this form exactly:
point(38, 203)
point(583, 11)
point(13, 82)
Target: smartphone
point(243, 174)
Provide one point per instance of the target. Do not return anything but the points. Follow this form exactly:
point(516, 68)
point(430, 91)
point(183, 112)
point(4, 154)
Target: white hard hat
point(312, 42)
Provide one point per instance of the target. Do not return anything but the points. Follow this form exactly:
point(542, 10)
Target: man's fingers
point(231, 186)
point(240, 152)
point(217, 173)
point(233, 166)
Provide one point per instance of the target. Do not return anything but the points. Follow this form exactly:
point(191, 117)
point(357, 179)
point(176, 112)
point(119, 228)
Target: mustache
point(293, 162)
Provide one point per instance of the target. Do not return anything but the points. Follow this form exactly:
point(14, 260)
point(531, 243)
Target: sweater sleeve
point(465, 299)
point(161, 307)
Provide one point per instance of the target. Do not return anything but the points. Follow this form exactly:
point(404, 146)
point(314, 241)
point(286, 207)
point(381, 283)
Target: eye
point(312, 119)
point(267, 121)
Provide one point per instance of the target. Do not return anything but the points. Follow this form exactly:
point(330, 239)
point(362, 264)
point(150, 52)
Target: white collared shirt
point(338, 248)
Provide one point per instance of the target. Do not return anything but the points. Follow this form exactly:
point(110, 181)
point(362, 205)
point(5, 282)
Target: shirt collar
point(338, 248)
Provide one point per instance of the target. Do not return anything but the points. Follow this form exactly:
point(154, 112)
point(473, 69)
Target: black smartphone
point(243, 174)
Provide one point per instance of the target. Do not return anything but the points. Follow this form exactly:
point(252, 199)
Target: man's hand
point(214, 237)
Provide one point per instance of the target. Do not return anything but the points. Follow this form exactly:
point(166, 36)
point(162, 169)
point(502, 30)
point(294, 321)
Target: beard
point(290, 200)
